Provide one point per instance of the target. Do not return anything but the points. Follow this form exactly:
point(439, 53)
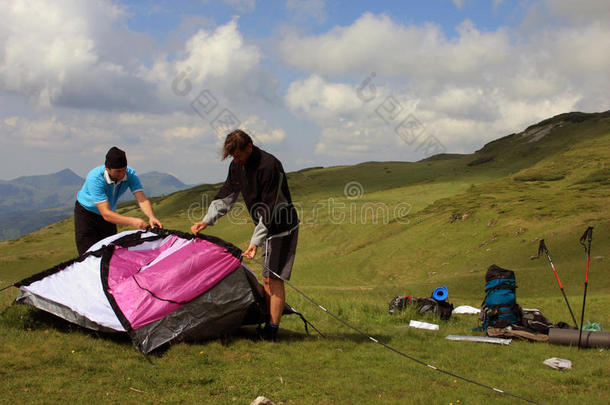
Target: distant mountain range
point(30, 202)
point(157, 184)
point(30, 193)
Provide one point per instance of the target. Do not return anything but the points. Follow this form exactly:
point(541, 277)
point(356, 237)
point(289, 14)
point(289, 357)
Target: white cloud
point(262, 132)
point(581, 50)
point(464, 102)
point(349, 126)
point(377, 43)
point(61, 52)
point(463, 133)
point(177, 142)
point(77, 55)
point(320, 99)
point(461, 119)
point(221, 53)
point(49, 132)
point(184, 144)
point(219, 60)
point(579, 12)
point(465, 90)
point(303, 10)
point(11, 121)
point(42, 45)
point(181, 132)
point(81, 55)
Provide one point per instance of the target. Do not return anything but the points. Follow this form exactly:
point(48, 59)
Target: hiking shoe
point(262, 333)
point(273, 334)
point(268, 333)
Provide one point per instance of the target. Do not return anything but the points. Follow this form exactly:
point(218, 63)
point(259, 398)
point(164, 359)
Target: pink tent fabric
point(149, 284)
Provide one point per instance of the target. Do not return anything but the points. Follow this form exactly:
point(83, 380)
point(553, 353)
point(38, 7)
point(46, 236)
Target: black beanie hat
point(116, 158)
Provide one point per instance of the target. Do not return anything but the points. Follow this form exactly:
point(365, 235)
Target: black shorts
point(90, 228)
point(278, 254)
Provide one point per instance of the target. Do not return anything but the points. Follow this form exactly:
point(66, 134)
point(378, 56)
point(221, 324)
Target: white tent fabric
point(85, 297)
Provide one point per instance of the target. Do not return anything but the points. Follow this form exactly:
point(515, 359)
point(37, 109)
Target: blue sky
point(317, 83)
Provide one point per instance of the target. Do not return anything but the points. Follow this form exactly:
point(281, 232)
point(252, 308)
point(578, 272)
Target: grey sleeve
point(260, 233)
point(219, 207)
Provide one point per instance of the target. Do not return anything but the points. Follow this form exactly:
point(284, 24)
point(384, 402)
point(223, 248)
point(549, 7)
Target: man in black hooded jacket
point(261, 180)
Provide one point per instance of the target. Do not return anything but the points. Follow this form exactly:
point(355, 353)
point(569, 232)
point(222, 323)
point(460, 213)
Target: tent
point(156, 285)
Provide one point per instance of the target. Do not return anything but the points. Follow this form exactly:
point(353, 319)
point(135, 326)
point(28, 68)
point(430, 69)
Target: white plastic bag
point(558, 364)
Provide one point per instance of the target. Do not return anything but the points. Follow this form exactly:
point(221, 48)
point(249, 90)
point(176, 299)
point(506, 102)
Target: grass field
point(369, 232)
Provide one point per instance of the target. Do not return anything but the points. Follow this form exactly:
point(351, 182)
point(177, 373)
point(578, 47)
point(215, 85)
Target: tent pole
point(6, 288)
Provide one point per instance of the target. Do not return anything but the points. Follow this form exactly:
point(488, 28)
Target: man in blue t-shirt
point(94, 212)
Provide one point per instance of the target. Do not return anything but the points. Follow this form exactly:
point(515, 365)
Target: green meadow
point(369, 233)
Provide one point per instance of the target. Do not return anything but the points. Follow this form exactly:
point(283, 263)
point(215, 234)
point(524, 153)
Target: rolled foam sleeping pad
point(569, 337)
point(440, 293)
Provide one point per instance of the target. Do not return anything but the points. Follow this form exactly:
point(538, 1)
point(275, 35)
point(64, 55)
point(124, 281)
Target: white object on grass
point(466, 309)
point(423, 325)
point(480, 339)
point(558, 364)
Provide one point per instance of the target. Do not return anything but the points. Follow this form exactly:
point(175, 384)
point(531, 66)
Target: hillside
point(465, 211)
point(370, 232)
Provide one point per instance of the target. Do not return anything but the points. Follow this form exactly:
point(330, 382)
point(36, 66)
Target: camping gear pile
point(501, 316)
point(436, 304)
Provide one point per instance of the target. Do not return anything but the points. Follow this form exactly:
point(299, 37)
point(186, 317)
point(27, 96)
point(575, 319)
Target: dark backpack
point(534, 320)
point(441, 308)
point(399, 303)
point(500, 308)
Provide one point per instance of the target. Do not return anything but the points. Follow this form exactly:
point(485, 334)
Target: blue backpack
point(500, 308)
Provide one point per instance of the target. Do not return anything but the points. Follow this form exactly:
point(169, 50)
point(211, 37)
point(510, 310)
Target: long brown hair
point(237, 139)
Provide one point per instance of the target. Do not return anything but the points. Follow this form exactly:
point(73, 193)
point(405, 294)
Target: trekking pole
point(542, 248)
point(585, 241)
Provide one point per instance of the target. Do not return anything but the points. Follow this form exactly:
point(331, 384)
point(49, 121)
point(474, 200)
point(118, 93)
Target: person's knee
point(275, 286)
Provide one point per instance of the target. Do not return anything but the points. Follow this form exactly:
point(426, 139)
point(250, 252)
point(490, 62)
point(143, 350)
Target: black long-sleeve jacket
point(263, 185)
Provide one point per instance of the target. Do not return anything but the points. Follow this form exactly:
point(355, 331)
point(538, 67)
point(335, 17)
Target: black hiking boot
point(268, 333)
point(273, 333)
point(261, 332)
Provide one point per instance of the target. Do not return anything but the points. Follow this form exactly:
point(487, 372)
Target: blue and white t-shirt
point(99, 188)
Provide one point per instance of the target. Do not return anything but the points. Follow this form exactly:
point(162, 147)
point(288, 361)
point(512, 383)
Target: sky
point(316, 83)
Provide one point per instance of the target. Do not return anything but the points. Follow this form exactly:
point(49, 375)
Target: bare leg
point(275, 298)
